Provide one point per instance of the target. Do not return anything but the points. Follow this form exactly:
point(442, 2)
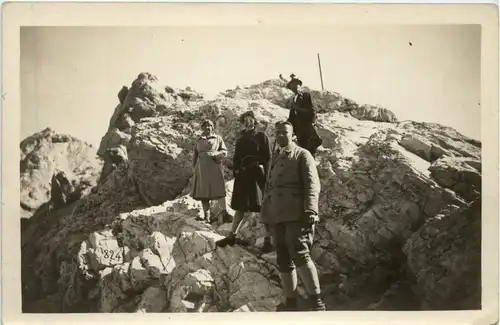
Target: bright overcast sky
point(70, 76)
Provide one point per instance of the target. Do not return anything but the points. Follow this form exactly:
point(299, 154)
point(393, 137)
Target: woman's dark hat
point(294, 82)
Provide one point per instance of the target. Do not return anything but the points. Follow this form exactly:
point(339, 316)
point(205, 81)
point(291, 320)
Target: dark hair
point(207, 121)
point(247, 113)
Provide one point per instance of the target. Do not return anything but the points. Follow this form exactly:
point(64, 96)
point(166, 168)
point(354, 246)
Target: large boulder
point(114, 158)
point(462, 175)
point(443, 141)
point(373, 113)
point(444, 255)
point(46, 152)
point(50, 243)
point(135, 246)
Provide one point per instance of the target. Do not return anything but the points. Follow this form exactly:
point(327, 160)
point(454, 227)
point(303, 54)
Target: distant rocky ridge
point(399, 207)
point(46, 154)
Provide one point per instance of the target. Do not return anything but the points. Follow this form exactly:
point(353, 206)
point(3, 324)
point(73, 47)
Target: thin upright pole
point(320, 73)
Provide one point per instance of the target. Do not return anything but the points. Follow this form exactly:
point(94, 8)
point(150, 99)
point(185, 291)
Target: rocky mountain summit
point(400, 210)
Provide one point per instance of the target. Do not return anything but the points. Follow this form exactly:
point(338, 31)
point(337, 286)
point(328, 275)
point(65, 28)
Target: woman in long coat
point(208, 183)
point(251, 160)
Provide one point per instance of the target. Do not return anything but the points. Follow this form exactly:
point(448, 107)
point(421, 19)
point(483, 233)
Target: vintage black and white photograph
point(261, 168)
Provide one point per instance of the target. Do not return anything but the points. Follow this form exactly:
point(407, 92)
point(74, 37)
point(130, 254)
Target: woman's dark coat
point(251, 161)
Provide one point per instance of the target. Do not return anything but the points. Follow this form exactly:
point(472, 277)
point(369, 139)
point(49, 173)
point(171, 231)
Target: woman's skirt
point(208, 183)
point(248, 190)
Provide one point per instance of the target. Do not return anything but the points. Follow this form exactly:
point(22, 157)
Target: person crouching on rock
point(250, 167)
point(208, 183)
point(290, 208)
point(303, 116)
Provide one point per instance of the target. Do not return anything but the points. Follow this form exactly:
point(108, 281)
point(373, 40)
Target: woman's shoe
point(229, 240)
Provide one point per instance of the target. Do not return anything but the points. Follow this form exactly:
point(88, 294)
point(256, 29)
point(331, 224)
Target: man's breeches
point(293, 243)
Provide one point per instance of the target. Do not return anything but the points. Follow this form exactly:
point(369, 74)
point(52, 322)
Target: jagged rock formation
point(134, 244)
point(61, 191)
point(47, 151)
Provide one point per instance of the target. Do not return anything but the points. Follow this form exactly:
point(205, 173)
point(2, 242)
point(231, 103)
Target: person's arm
point(266, 153)
point(296, 107)
point(312, 186)
point(195, 154)
point(307, 105)
point(236, 159)
point(222, 150)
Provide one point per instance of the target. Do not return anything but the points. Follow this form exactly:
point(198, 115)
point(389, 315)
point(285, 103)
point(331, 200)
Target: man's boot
point(289, 284)
point(309, 276)
point(289, 305)
point(316, 303)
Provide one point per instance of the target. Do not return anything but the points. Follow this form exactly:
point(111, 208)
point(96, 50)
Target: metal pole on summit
point(320, 73)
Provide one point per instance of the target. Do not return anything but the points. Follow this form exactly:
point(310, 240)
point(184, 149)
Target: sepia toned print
point(164, 170)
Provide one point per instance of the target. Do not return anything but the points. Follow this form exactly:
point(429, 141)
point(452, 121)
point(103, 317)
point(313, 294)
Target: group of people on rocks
point(281, 184)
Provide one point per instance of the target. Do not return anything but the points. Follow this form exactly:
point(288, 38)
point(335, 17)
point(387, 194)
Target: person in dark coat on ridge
point(251, 160)
point(303, 116)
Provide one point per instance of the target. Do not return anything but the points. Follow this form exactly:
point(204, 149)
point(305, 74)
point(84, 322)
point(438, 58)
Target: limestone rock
point(113, 138)
point(160, 160)
point(42, 251)
point(462, 175)
point(46, 152)
point(272, 90)
point(122, 94)
point(445, 139)
point(326, 101)
point(114, 158)
point(103, 250)
point(153, 300)
point(423, 147)
point(445, 257)
point(382, 183)
point(373, 113)
point(245, 309)
point(61, 189)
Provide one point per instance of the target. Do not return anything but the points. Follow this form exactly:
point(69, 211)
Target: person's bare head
point(283, 133)
point(207, 127)
point(248, 120)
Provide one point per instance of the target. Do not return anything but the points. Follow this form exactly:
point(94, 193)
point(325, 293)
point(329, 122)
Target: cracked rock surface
point(399, 218)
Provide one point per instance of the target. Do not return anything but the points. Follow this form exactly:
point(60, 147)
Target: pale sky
point(70, 76)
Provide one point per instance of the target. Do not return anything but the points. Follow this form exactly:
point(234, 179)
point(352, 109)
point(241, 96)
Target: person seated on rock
point(250, 167)
point(303, 116)
point(290, 209)
point(208, 181)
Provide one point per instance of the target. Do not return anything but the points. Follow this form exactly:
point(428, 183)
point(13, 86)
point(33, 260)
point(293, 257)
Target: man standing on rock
point(303, 116)
point(290, 209)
